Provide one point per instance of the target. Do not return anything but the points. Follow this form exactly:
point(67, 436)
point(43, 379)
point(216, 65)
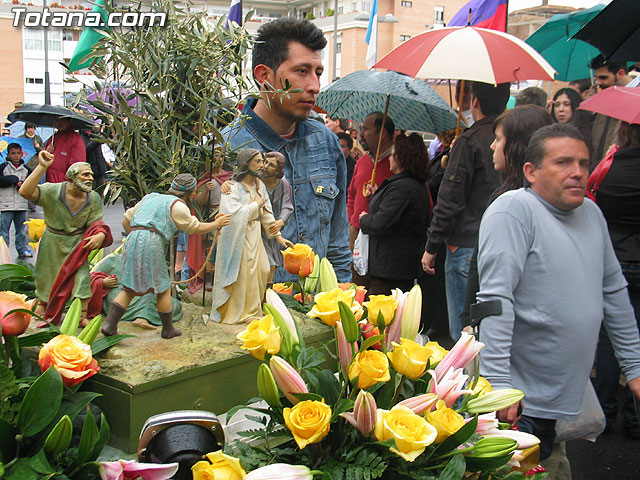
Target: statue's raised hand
point(45, 159)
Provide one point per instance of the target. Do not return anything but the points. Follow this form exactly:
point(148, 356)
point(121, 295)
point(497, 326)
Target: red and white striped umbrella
point(471, 53)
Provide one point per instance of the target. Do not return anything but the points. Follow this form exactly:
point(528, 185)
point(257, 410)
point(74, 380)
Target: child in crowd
point(12, 205)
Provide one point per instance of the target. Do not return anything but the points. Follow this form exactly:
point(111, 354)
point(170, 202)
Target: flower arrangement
point(392, 409)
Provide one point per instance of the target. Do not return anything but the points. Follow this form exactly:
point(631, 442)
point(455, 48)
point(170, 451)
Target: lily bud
point(276, 302)
point(5, 255)
point(411, 313)
point(90, 332)
point(312, 280)
point(345, 350)
point(267, 388)
point(394, 331)
point(524, 439)
point(59, 437)
point(288, 379)
point(349, 323)
point(280, 471)
point(492, 447)
point(420, 403)
point(495, 400)
point(365, 413)
point(328, 279)
point(72, 318)
point(286, 345)
point(461, 354)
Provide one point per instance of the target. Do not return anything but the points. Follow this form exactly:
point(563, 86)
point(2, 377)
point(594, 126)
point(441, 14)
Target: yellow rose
point(437, 352)
point(384, 304)
point(411, 432)
point(371, 367)
point(71, 357)
point(36, 228)
point(261, 337)
point(326, 306)
point(409, 358)
point(445, 420)
point(308, 421)
point(483, 386)
point(219, 467)
point(299, 260)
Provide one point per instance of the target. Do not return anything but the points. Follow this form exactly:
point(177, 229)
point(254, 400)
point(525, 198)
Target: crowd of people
point(493, 225)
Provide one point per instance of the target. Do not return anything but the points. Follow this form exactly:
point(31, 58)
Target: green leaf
point(89, 438)
point(371, 341)
point(343, 405)
point(105, 433)
point(11, 271)
point(384, 399)
point(7, 441)
point(103, 343)
point(455, 469)
point(309, 358)
point(308, 396)
point(37, 339)
point(328, 386)
point(487, 463)
point(41, 403)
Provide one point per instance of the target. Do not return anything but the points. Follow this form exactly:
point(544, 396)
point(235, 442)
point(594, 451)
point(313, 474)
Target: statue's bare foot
point(84, 322)
point(143, 323)
point(170, 333)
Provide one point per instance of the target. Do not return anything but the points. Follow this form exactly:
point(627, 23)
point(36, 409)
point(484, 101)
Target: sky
point(519, 4)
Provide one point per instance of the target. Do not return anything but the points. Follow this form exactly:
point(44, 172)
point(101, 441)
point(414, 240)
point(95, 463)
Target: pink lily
point(487, 423)
point(122, 469)
point(461, 354)
point(345, 352)
point(273, 299)
point(420, 403)
point(288, 379)
point(450, 386)
point(394, 331)
point(365, 413)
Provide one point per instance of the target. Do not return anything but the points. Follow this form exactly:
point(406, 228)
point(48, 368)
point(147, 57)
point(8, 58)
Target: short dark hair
point(583, 85)
point(343, 122)
point(14, 146)
point(272, 43)
point(518, 124)
point(536, 149)
point(493, 98)
point(411, 156)
point(532, 96)
point(600, 61)
point(628, 135)
point(347, 138)
point(389, 126)
point(574, 98)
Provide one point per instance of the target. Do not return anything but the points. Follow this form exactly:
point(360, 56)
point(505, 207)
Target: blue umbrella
point(413, 104)
point(28, 150)
point(570, 58)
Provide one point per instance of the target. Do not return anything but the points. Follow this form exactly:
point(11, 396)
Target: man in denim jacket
point(288, 49)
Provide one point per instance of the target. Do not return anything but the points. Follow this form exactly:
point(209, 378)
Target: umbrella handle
point(372, 182)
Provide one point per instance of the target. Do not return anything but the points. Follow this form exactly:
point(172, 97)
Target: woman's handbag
point(361, 254)
point(598, 174)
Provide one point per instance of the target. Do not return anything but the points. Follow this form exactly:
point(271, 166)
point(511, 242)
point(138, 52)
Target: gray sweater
point(557, 277)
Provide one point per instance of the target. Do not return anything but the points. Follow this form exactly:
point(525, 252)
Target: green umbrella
point(569, 57)
point(413, 104)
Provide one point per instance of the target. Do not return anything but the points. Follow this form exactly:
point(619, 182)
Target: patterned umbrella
point(413, 105)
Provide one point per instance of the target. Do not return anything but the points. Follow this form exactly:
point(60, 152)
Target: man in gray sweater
point(545, 255)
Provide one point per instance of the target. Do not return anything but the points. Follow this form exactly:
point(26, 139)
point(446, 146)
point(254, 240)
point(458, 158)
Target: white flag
point(372, 36)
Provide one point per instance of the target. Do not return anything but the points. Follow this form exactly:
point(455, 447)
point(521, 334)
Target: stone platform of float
point(203, 369)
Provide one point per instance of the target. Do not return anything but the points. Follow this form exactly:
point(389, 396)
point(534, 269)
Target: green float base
point(203, 369)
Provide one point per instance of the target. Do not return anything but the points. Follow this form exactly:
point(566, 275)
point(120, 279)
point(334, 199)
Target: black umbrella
point(615, 31)
point(45, 116)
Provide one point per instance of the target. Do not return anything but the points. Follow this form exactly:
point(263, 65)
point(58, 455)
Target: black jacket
point(469, 180)
point(397, 225)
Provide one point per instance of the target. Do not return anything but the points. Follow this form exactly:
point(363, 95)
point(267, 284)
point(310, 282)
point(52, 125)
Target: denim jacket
point(317, 172)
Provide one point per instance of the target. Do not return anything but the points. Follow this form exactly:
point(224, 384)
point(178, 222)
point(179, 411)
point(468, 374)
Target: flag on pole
point(88, 39)
point(490, 14)
point(235, 13)
point(372, 36)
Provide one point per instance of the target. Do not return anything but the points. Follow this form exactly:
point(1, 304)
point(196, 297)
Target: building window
point(34, 80)
point(404, 38)
point(339, 47)
point(366, 7)
point(67, 35)
point(354, 6)
point(406, 3)
point(54, 38)
point(33, 39)
point(340, 10)
point(438, 14)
